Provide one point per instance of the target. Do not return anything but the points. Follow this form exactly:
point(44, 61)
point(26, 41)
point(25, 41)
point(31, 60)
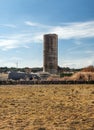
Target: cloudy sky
point(24, 22)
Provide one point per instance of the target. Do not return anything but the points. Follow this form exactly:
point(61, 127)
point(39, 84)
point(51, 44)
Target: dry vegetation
point(3, 76)
point(42, 107)
point(85, 76)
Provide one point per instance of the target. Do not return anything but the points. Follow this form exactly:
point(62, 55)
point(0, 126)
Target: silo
point(50, 53)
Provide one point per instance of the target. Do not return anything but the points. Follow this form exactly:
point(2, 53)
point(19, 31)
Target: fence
point(12, 82)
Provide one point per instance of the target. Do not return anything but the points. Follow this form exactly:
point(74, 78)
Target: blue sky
point(24, 22)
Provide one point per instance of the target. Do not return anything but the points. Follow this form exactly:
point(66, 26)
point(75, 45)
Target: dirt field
point(47, 107)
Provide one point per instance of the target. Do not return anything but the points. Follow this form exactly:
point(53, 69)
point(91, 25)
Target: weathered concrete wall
point(50, 53)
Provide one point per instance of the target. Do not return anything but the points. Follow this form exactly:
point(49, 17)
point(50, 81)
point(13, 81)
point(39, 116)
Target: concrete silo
point(50, 53)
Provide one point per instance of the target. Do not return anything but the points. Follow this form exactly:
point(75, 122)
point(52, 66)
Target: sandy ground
point(47, 107)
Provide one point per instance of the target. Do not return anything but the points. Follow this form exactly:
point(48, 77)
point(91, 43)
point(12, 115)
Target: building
point(50, 62)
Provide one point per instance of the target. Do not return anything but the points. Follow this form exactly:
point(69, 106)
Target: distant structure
point(50, 62)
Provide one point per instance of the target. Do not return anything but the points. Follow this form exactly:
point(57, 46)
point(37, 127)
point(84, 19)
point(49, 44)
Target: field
point(47, 107)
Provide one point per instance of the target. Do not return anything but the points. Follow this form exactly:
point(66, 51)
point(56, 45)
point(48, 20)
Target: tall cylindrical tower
point(50, 53)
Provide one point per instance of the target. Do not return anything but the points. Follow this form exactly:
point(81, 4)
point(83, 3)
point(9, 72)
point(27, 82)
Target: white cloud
point(31, 23)
point(35, 35)
point(19, 40)
point(77, 42)
point(75, 30)
point(6, 44)
point(8, 25)
point(89, 52)
point(69, 30)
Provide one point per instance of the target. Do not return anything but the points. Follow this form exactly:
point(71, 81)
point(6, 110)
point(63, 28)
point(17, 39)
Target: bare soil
point(47, 107)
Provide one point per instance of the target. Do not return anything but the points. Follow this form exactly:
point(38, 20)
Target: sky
point(24, 22)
